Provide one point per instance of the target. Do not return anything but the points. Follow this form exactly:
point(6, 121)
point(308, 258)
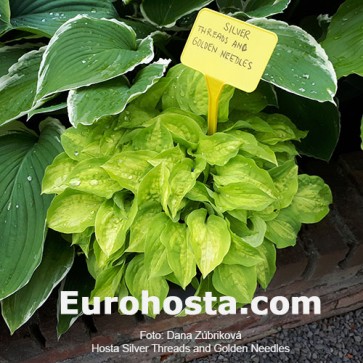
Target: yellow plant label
point(229, 50)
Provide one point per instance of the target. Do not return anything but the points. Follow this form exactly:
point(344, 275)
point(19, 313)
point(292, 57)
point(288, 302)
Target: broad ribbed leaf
point(23, 159)
point(167, 12)
point(320, 118)
point(56, 262)
point(299, 64)
point(86, 51)
point(45, 17)
point(343, 42)
point(18, 86)
point(86, 105)
point(236, 281)
point(10, 55)
point(209, 239)
point(80, 280)
point(48, 109)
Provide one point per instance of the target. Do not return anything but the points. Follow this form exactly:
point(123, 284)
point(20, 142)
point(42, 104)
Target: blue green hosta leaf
point(56, 174)
point(10, 54)
point(111, 226)
point(180, 256)
point(188, 91)
point(283, 230)
point(165, 13)
point(343, 42)
point(267, 268)
point(218, 148)
point(74, 58)
point(137, 279)
point(235, 280)
point(299, 64)
point(311, 202)
point(286, 182)
point(209, 239)
point(73, 211)
point(45, 17)
point(128, 168)
point(18, 86)
point(47, 109)
point(57, 259)
point(80, 280)
point(86, 105)
point(23, 158)
point(265, 8)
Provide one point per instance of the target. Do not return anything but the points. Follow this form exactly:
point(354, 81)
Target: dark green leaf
point(23, 159)
point(56, 262)
point(167, 12)
point(343, 42)
point(78, 279)
point(319, 118)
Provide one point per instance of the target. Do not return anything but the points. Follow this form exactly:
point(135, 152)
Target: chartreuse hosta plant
point(87, 60)
point(150, 198)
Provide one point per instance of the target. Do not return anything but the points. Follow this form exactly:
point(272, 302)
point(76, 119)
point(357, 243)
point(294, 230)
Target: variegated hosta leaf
point(57, 259)
point(86, 105)
point(18, 86)
point(85, 51)
point(167, 12)
point(299, 64)
point(44, 17)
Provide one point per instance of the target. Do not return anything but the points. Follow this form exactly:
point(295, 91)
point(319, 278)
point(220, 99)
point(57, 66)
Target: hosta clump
point(150, 198)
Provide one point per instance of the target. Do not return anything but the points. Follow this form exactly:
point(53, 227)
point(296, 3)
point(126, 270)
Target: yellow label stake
point(227, 51)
